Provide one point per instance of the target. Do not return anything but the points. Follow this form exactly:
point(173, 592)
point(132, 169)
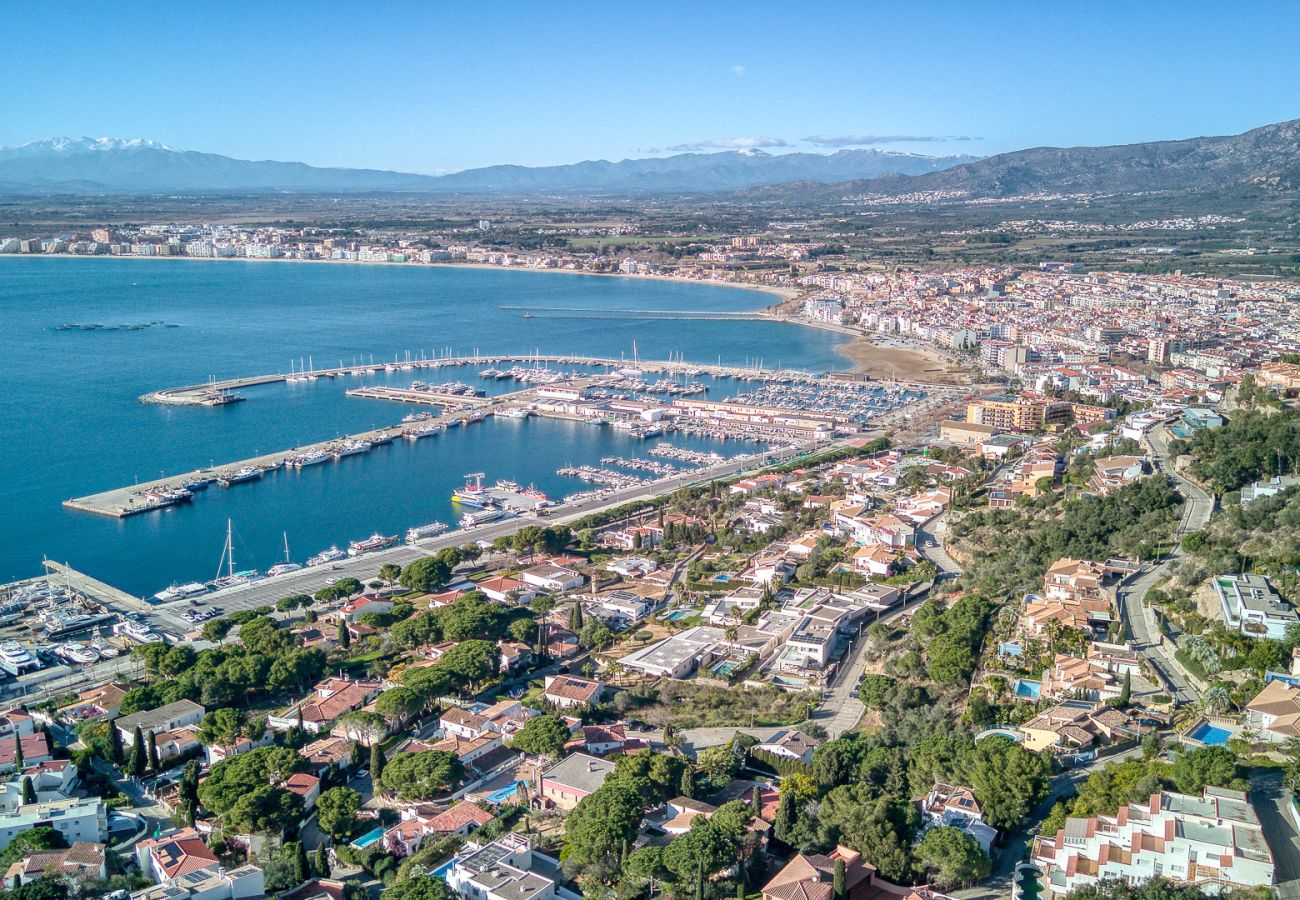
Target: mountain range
point(1263, 159)
point(115, 165)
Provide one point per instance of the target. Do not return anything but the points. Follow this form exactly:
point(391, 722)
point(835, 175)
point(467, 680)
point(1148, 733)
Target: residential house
point(99, 702)
point(1251, 606)
point(567, 691)
point(507, 869)
point(955, 806)
point(328, 700)
point(553, 578)
point(164, 718)
point(76, 819)
point(1076, 724)
point(36, 749)
point(503, 589)
point(1274, 713)
point(573, 778)
point(83, 862)
point(179, 853)
point(811, 876)
point(424, 820)
point(790, 744)
point(1214, 841)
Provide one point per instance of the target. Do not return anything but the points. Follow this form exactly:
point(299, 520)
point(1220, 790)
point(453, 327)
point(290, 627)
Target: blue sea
point(73, 423)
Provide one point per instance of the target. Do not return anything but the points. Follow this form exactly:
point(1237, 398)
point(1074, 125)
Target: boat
point(64, 622)
point(107, 651)
point(308, 459)
point(240, 475)
point(473, 494)
point(77, 653)
point(137, 631)
point(227, 562)
point(195, 486)
point(419, 532)
point(505, 485)
point(351, 448)
point(17, 660)
point(514, 412)
point(375, 542)
point(288, 565)
point(470, 520)
point(333, 554)
point(180, 592)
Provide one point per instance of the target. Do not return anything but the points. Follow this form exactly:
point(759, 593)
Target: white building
point(1213, 841)
point(1252, 606)
point(954, 806)
point(507, 869)
point(77, 819)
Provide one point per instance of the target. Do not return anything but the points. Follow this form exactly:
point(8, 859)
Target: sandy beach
point(892, 361)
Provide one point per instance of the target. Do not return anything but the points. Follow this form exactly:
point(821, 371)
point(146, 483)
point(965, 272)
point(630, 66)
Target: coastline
point(784, 293)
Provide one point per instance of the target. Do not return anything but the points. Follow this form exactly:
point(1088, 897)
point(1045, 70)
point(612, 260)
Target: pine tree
point(301, 867)
point(377, 761)
point(1125, 690)
point(357, 756)
point(138, 759)
point(345, 637)
point(19, 761)
point(575, 618)
point(839, 880)
point(29, 790)
point(153, 753)
point(758, 803)
point(686, 787)
point(322, 862)
point(699, 880)
point(787, 815)
point(115, 744)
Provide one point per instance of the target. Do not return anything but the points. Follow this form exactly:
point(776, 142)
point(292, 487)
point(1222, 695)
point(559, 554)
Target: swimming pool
point(369, 838)
point(442, 870)
point(1210, 735)
point(1006, 648)
point(506, 793)
point(724, 668)
point(681, 614)
point(1027, 690)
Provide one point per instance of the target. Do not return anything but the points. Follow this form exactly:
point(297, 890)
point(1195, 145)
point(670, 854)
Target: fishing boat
point(375, 542)
point(240, 475)
point(333, 554)
point(420, 532)
point(314, 458)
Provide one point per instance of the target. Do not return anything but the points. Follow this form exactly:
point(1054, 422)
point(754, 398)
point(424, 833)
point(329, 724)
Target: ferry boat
point(376, 541)
point(181, 592)
point(472, 494)
point(308, 459)
point(137, 631)
point(470, 520)
point(333, 554)
point(17, 659)
point(240, 475)
point(504, 485)
point(419, 532)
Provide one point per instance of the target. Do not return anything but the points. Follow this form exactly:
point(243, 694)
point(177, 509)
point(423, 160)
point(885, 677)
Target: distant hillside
point(1264, 158)
point(111, 165)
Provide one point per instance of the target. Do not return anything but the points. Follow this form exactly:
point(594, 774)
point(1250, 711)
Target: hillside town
point(1053, 646)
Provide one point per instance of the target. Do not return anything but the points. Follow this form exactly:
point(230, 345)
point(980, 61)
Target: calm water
point(73, 424)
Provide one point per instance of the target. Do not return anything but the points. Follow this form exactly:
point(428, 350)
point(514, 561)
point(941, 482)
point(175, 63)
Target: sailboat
point(287, 566)
point(634, 370)
point(231, 578)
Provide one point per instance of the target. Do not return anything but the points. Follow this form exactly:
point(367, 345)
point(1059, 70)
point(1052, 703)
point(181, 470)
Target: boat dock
point(410, 395)
point(97, 590)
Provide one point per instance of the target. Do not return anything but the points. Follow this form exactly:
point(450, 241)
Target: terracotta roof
point(459, 816)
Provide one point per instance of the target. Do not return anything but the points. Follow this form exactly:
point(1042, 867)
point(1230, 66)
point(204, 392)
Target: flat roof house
point(1252, 606)
point(573, 778)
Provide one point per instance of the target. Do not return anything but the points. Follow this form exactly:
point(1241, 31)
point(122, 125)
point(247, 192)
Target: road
point(364, 568)
point(1131, 594)
point(929, 542)
point(1270, 800)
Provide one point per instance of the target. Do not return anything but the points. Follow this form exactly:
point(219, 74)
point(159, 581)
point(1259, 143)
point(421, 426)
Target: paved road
point(1270, 800)
point(1131, 595)
point(929, 540)
point(364, 568)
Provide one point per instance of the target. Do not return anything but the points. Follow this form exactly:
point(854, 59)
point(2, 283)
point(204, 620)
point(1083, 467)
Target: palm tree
point(1216, 699)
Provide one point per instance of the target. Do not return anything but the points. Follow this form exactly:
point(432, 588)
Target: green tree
point(1007, 780)
point(425, 574)
point(344, 636)
point(321, 862)
point(153, 752)
point(421, 887)
point(336, 812)
point(952, 857)
point(1194, 769)
point(139, 761)
point(704, 848)
point(221, 726)
point(543, 735)
point(838, 882)
point(29, 790)
point(599, 824)
point(378, 761)
point(423, 775)
point(33, 840)
point(390, 572)
point(114, 743)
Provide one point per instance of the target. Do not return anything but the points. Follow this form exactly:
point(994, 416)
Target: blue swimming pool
point(681, 614)
point(442, 870)
point(369, 838)
point(1027, 690)
point(504, 794)
point(1211, 735)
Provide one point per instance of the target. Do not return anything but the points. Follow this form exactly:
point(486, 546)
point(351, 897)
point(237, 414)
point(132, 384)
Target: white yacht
point(419, 532)
point(77, 653)
point(17, 659)
point(181, 592)
point(137, 631)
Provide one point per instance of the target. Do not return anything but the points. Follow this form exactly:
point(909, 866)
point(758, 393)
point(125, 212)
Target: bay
point(73, 423)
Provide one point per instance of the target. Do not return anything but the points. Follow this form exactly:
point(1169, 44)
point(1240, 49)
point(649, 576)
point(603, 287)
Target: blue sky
point(431, 88)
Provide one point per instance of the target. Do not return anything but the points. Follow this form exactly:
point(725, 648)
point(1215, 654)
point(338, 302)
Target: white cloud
point(738, 70)
point(737, 143)
point(862, 140)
